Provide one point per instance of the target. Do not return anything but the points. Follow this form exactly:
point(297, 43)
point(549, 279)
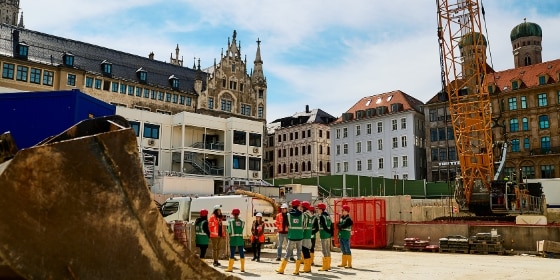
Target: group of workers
point(297, 226)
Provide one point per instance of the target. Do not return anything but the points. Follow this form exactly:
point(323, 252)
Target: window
point(21, 74)
point(291, 136)
point(441, 134)
point(98, 82)
point(233, 85)
point(260, 112)
point(513, 125)
point(48, 77)
point(320, 134)
point(337, 150)
point(525, 124)
point(543, 122)
point(337, 133)
point(22, 50)
point(68, 59)
point(130, 90)
point(515, 145)
point(328, 134)
point(238, 162)
point(338, 167)
point(71, 80)
point(526, 144)
point(542, 80)
point(254, 164)
point(452, 153)
point(433, 115)
point(210, 103)
point(528, 171)
point(380, 163)
point(368, 128)
point(142, 75)
point(515, 85)
point(255, 140)
point(35, 76)
point(114, 87)
point(442, 154)
point(344, 132)
point(358, 165)
point(245, 109)
point(241, 87)
point(433, 134)
point(450, 134)
point(151, 131)
point(358, 130)
point(394, 124)
point(541, 100)
point(512, 101)
point(223, 83)
point(188, 101)
point(380, 144)
point(395, 142)
point(139, 92)
point(136, 127)
point(369, 164)
point(523, 102)
point(395, 162)
point(345, 149)
point(404, 161)
point(261, 93)
point(545, 144)
point(226, 105)
point(358, 147)
point(345, 166)
point(403, 141)
point(379, 127)
point(368, 146)
point(89, 82)
point(239, 137)
point(403, 123)
point(435, 154)
point(106, 68)
point(123, 89)
point(405, 176)
point(547, 171)
point(8, 71)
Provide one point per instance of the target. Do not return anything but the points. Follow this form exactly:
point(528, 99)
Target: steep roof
point(48, 49)
point(307, 116)
point(527, 76)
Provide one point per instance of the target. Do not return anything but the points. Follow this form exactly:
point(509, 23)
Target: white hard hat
point(284, 205)
point(259, 214)
point(217, 206)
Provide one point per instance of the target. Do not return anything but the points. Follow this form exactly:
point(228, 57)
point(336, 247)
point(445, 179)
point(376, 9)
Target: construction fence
point(369, 229)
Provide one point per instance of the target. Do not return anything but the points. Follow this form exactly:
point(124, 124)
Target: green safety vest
point(201, 237)
point(313, 220)
point(307, 231)
point(296, 226)
point(344, 233)
point(235, 230)
point(323, 234)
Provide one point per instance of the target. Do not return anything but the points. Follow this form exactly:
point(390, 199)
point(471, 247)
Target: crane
point(463, 62)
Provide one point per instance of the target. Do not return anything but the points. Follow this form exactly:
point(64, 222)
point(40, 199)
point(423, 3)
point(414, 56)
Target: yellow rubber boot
point(312, 258)
point(230, 265)
point(325, 264)
point(283, 264)
point(348, 261)
point(343, 262)
point(328, 263)
point(298, 263)
point(242, 260)
point(307, 265)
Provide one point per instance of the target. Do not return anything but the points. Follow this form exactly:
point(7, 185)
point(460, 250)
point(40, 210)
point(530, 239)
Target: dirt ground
point(387, 264)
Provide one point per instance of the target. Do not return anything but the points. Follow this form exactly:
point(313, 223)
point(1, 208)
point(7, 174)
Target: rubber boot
point(230, 265)
point(343, 262)
point(298, 263)
point(312, 258)
point(242, 260)
point(348, 261)
point(307, 265)
point(328, 263)
point(325, 264)
point(283, 264)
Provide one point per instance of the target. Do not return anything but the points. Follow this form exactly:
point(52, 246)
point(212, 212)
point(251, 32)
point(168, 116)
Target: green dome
point(525, 29)
point(469, 39)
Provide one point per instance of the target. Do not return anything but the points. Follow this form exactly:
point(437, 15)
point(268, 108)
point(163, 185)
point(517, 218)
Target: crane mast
point(463, 61)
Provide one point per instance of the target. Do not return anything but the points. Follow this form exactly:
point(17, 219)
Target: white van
point(188, 209)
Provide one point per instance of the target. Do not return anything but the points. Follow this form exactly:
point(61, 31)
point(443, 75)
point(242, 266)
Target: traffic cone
point(230, 265)
point(283, 264)
point(298, 263)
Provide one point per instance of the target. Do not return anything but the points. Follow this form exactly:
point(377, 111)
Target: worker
point(314, 229)
point(344, 232)
point(325, 234)
point(257, 236)
point(296, 221)
point(202, 232)
point(282, 227)
point(236, 242)
point(217, 232)
point(307, 232)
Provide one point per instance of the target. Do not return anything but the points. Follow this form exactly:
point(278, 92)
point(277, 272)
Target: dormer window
point(490, 89)
point(68, 59)
point(515, 85)
point(174, 82)
point(22, 50)
point(106, 68)
point(542, 80)
point(142, 75)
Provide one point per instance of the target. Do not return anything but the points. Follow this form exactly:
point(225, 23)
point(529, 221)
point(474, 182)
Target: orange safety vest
point(279, 222)
point(214, 225)
point(258, 232)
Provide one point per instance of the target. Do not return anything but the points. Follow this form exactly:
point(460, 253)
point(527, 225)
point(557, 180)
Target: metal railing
point(217, 146)
point(202, 165)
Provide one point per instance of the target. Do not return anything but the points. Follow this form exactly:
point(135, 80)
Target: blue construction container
point(33, 116)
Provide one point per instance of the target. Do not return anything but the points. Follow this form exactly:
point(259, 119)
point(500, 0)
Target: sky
point(323, 53)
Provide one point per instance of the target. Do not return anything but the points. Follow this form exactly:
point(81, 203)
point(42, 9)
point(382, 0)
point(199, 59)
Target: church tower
point(526, 39)
point(9, 10)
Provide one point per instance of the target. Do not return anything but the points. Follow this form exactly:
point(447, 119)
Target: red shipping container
point(369, 229)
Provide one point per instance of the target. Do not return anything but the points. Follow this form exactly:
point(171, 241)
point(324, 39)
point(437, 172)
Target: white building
point(226, 150)
point(382, 136)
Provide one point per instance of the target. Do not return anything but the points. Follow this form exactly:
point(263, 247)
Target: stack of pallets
point(486, 243)
point(414, 243)
point(454, 244)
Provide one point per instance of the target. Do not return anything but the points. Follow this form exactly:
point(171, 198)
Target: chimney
point(307, 109)
point(151, 56)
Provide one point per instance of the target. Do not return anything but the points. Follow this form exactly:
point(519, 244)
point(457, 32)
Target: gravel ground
point(387, 264)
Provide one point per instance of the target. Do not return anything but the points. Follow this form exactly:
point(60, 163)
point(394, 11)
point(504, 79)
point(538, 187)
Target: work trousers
point(345, 246)
point(216, 244)
point(326, 247)
point(312, 249)
point(203, 249)
point(290, 252)
point(256, 250)
point(232, 250)
point(281, 238)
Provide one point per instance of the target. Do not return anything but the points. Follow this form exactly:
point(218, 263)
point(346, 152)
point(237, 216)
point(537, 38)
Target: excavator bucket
point(76, 206)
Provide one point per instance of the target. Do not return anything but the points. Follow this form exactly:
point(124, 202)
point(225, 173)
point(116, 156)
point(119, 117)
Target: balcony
point(544, 151)
point(217, 146)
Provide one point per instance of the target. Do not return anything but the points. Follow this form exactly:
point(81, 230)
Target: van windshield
point(169, 207)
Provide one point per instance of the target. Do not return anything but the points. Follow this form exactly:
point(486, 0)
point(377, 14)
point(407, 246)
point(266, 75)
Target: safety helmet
point(203, 212)
point(295, 203)
point(305, 204)
point(217, 206)
point(322, 206)
point(311, 208)
point(235, 211)
point(346, 207)
point(259, 215)
point(284, 205)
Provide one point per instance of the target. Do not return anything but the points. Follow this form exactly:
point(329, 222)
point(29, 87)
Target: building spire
point(258, 75)
point(20, 24)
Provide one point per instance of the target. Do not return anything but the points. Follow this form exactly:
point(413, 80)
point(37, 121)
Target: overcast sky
point(323, 53)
